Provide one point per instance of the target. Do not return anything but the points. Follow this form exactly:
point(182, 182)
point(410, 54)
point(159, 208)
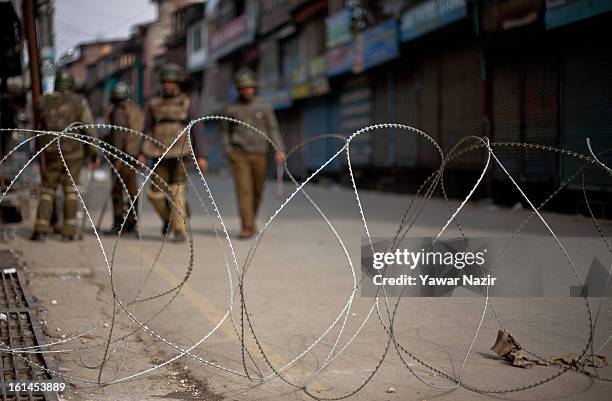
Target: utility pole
point(44, 18)
point(30, 31)
point(44, 12)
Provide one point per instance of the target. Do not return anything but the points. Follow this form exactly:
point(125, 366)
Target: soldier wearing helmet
point(166, 117)
point(247, 150)
point(124, 113)
point(58, 110)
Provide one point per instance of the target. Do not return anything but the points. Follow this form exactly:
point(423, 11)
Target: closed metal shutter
point(507, 113)
point(380, 114)
point(290, 125)
point(314, 125)
point(428, 155)
point(541, 83)
point(407, 112)
point(319, 119)
point(461, 109)
point(525, 87)
point(215, 151)
point(333, 127)
point(355, 113)
point(587, 111)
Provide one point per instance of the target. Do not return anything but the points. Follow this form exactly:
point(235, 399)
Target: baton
point(279, 181)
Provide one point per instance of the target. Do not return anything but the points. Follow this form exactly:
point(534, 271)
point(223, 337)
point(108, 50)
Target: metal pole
point(30, 31)
point(391, 117)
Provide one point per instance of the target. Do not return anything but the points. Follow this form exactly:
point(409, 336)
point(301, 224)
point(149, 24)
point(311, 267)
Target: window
point(228, 10)
point(196, 38)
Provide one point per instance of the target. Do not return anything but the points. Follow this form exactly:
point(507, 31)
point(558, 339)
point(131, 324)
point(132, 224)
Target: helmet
point(120, 91)
point(63, 80)
point(245, 78)
point(170, 73)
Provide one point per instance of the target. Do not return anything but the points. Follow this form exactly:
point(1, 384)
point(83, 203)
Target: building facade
point(512, 70)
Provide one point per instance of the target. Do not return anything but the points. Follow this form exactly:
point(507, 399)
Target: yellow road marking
point(214, 314)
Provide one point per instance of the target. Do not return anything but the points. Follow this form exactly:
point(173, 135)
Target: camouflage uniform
point(57, 111)
point(125, 113)
point(247, 150)
point(165, 118)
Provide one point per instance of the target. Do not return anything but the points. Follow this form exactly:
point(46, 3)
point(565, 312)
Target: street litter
point(506, 346)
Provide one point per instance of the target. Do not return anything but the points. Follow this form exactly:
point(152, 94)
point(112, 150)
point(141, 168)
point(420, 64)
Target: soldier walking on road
point(124, 113)
point(58, 110)
point(247, 150)
point(165, 118)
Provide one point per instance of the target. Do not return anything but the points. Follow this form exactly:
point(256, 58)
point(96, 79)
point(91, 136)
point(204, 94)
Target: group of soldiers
point(162, 145)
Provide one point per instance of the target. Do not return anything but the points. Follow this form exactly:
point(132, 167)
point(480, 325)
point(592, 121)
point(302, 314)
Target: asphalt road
point(297, 284)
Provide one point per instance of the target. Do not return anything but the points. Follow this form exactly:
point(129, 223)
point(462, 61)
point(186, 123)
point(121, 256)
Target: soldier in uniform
point(247, 150)
point(124, 113)
point(58, 110)
point(165, 118)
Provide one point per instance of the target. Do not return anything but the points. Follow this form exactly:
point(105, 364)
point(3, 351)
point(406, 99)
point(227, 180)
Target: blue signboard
point(429, 16)
point(376, 46)
point(565, 12)
point(280, 99)
point(339, 60)
point(338, 28)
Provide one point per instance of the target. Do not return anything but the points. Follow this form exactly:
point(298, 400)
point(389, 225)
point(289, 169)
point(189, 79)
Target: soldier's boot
point(69, 232)
point(119, 215)
point(165, 228)
point(158, 200)
point(43, 214)
point(178, 216)
point(114, 230)
point(55, 223)
point(246, 233)
point(130, 223)
point(38, 237)
point(128, 227)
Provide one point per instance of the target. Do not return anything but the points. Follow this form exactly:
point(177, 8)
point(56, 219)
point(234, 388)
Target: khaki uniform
point(125, 114)
point(248, 153)
point(57, 111)
point(166, 117)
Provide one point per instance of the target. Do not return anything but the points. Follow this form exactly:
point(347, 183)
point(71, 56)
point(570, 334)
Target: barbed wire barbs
point(257, 363)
